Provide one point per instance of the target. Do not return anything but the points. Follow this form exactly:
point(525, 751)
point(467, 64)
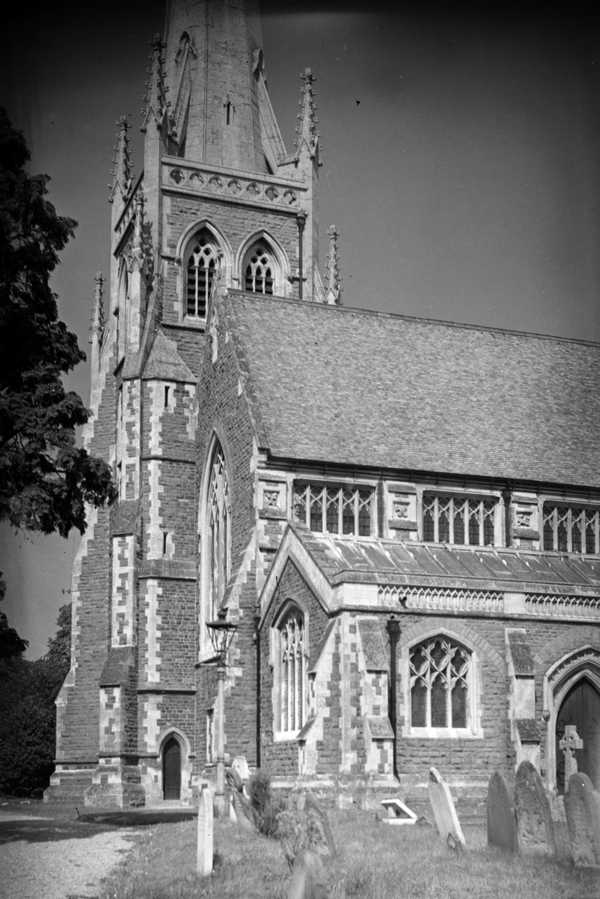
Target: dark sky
point(465, 183)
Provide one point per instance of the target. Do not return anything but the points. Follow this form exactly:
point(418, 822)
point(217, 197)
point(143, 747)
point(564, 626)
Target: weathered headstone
point(243, 811)
point(535, 832)
point(442, 806)
point(240, 766)
point(204, 858)
point(308, 876)
point(569, 744)
point(501, 821)
point(582, 805)
point(318, 825)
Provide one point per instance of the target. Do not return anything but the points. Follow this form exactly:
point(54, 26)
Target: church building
point(401, 516)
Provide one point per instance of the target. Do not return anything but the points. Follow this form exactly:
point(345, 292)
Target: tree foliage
point(28, 714)
point(45, 478)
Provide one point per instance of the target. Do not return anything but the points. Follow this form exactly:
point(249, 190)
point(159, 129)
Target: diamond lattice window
point(573, 529)
point(201, 273)
point(259, 275)
point(334, 510)
point(290, 675)
point(440, 682)
point(468, 521)
point(219, 534)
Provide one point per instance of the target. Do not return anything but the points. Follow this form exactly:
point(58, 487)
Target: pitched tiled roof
point(371, 389)
point(376, 561)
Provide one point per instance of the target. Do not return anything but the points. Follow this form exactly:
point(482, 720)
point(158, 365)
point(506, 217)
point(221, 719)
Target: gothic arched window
point(218, 531)
point(290, 655)
point(260, 269)
point(441, 684)
point(201, 272)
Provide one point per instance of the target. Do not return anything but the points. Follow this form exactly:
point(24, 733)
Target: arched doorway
point(581, 707)
point(171, 769)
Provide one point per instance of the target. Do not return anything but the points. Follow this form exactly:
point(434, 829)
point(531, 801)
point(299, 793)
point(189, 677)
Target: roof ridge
point(417, 319)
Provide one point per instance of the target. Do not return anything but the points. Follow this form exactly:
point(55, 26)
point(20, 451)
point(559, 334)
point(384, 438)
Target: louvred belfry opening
point(201, 273)
point(259, 273)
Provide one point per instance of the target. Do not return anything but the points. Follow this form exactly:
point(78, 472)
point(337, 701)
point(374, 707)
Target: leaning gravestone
point(308, 877)
point(501, 822)
point(319, 827)
point(442, 805)
point(582, 805)
point(535, 832)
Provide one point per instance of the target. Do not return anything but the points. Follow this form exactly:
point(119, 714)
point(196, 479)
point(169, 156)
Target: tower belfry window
point(201, 273)
point(260, 268)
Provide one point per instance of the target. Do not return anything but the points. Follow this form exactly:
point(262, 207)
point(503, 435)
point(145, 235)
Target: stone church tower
point(401, 516)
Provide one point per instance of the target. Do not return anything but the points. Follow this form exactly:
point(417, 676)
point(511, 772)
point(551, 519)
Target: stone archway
point(572, 696)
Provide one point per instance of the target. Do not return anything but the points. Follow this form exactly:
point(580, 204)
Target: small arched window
point(201, 272)
point(259, 269)
point(441, 684)
point(290, 650)
point(218, 526)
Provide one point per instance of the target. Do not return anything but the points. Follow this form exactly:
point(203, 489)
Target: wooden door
point(581, 707)
point(172, 769)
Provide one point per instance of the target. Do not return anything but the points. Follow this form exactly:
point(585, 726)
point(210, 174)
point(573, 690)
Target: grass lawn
point(374, 861)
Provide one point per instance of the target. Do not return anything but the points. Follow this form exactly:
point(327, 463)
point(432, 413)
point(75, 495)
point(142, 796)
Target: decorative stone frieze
point(443, 599)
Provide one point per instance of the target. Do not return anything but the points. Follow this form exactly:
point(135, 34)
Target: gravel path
point(43, 859)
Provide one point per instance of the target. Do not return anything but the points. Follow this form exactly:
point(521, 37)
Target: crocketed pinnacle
point(156, 104)
point(334, 278)
point(98, 320)
point(121, 161)
point(307, 132)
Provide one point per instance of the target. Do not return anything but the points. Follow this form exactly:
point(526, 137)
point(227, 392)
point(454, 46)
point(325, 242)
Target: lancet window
point(334, 509)
point(218, 534)
point(440, 677)
point(290, 673)
point(465, 520)
point(259, 269)
point(201, 273)
point(571, 528)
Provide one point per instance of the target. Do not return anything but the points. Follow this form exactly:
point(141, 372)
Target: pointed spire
point(156, 104)
point(307, 131)
point(98, 320)
point(334, 278)
point(121, 161)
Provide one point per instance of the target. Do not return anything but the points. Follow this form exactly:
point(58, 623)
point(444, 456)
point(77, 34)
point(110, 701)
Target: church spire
point(334, 278)
point(213, 63)
point(98, 322)
point(121, 162)
point(307, 132)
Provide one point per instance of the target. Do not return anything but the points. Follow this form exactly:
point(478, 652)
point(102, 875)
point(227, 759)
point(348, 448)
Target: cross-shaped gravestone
point(568, 744)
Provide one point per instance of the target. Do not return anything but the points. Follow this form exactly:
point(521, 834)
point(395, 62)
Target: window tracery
point(571, 528)
point(440, 677)
point(201, 273)
point(290, 673)
point(218, 534)
point(259, 269)
point(332, 509)
point(462, 520)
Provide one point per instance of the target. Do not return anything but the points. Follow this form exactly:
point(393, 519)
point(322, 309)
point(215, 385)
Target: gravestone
point(501, 822)
point(318, 825)
point(582, 805)
point(308, 877)
point(397, 812)
point(205, 850)
point(243, 811)
point(535, 833)
point(442, 806)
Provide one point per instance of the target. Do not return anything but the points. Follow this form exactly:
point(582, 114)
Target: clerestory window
point(464, 520)
point(201, 273)
point(440, 677)
point(259, 270)
point(332, 509)
point(290, 680)
point(571, 528)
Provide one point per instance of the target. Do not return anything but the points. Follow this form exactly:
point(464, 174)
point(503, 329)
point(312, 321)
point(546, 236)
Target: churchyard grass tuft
point(374, 861)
